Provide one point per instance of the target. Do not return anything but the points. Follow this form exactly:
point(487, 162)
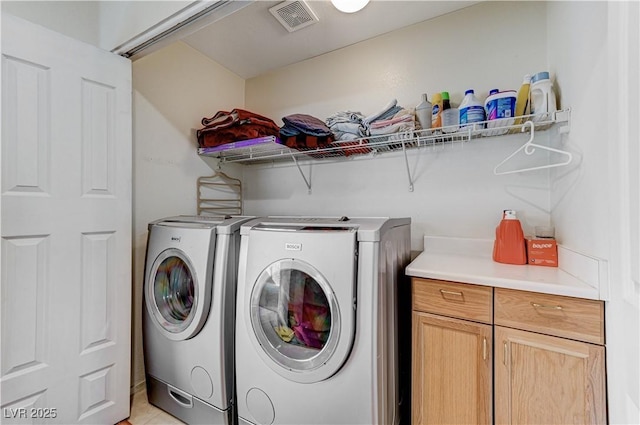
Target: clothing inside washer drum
point(294, 305)
point(173, 290)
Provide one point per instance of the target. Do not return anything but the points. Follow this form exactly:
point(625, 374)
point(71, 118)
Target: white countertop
point(470, 261)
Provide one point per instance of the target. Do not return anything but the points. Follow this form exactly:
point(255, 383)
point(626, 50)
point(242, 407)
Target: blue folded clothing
point(306, 124)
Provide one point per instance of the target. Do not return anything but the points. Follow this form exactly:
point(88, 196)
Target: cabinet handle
point(453, 293)
point(506, 350)
point(546, 306)
point(484, 348)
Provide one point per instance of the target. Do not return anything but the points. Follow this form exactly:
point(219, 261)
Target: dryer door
point(171, 295)
point(302, 326)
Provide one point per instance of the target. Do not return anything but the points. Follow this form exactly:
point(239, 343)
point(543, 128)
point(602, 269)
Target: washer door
point(171, 294)
point(296, 320)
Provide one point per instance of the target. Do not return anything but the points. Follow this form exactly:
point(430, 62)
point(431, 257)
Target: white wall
point(485, 46)
point(76, 19)
point(577, 56)
point(122, 20)
point(174, 88)
point(590, 56)
point(105, 24)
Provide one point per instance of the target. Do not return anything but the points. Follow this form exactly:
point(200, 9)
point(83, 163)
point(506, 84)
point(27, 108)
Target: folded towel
point(341, 136)
point(376, 115)
point(301, 131)
point(224, 119)
point(239, 124)
point(305, 141)
point(305, 124)
point(395, 128)
point(344, 117)
point(391, 121)
point(346, 127)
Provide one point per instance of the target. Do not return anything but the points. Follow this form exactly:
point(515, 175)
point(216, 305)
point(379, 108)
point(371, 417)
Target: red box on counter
point(542, 252)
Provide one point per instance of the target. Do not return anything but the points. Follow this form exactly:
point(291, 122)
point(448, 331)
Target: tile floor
point(143, 413)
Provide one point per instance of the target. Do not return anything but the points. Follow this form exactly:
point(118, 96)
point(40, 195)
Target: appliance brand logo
point(542, 245)
point(290, 246)
point(175, 238)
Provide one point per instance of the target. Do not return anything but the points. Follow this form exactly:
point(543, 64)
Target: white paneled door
point(623, 308)
point(66, 229)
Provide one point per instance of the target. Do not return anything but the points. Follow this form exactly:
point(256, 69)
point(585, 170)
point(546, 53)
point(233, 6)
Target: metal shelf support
point(406, 163)
point(306, 181)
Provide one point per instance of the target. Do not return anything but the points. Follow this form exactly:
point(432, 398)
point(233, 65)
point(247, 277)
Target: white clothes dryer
point(188, 319)
point(316, 320)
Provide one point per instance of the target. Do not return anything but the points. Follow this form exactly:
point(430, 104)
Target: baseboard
point(140, 386)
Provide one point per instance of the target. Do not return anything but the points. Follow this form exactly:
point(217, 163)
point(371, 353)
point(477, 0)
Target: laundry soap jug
point(543, 98)
point(471, 110)
point(509, 246)
point(500, 108)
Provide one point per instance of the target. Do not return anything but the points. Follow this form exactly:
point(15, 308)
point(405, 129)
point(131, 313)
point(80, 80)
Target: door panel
point(452, 370)
point(66, 220)
point(544, 379)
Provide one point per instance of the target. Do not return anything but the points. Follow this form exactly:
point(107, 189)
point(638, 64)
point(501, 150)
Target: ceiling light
point(349, 6)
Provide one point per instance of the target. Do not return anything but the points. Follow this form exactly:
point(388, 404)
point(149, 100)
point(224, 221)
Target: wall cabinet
point(549, 356)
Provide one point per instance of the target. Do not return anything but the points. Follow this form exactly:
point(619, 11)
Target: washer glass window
point(174, 288)
point(294, 315)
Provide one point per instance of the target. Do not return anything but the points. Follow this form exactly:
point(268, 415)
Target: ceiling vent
point(294, 15)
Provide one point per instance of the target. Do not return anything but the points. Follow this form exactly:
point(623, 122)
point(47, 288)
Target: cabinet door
point(452, 369)
point(541, 379)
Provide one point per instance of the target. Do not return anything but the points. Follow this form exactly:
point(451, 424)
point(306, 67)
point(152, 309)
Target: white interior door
point(623, 308)
point(66, 229)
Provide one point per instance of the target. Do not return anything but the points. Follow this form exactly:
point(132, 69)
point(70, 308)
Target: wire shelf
point(270, 149)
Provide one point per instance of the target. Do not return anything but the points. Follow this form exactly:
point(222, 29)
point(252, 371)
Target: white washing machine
point(188, 319)
point(316, 320)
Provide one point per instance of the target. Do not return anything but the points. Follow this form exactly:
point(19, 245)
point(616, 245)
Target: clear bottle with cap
point(424, 112)
point(450, 116)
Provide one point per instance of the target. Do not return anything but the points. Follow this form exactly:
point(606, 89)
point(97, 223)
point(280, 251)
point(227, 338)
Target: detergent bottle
point(543, 98)
point(471, 110)
point(424, 113)
point(450, 117)
point(436, 115)
point(509, 246)
point(522, 100)
point(500, 108)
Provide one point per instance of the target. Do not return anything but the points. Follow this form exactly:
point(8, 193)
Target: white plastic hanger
point(529, 148)
point(226, 192)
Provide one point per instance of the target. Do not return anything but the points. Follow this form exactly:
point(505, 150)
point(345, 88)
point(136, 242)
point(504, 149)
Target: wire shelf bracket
point(406, 163)
point(307, 181)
